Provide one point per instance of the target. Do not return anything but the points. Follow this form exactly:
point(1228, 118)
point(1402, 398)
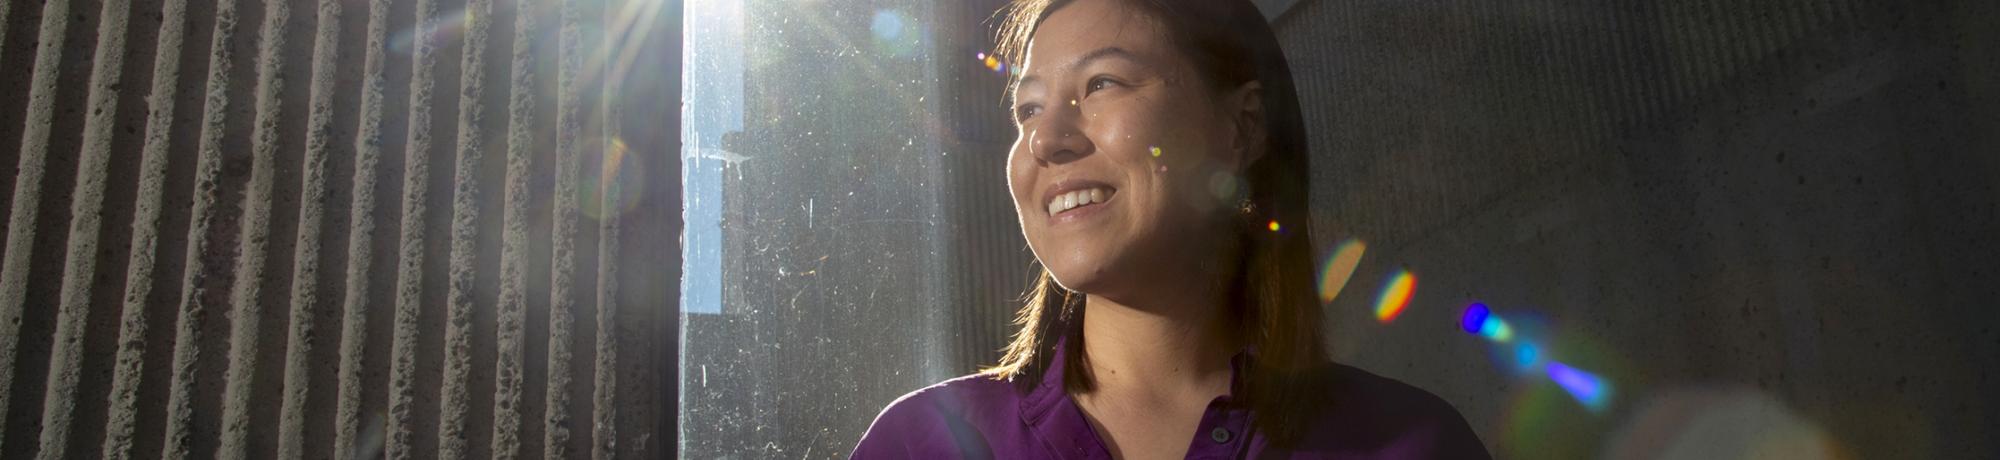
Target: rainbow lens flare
point(1481, 321)
point(1475, 316)
point(1333, 277)
point(1395, 296)
point(617, 186)
point(1527, 356)
point(991, 61)
point(1274, 226)
point(1587, 388)
point(1496, 330)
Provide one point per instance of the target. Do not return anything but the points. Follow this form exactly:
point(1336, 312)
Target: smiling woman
point(1160, 177)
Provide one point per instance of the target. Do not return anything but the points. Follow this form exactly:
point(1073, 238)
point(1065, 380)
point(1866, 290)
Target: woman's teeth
point(1067, 201)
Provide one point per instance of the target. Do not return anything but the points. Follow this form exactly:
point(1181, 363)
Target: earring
point(1246, 206)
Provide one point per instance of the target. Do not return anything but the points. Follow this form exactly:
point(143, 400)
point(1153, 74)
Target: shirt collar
point(1049, 411)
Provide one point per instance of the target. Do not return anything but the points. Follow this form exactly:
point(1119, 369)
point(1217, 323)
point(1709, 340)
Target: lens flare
point(991, 61)
point(1496, 329)
point(1395, 296)
point(1474, 317)
point(1333, 277)
point(1527, 356)
point(1587, 388)
point(616, 186)
point(1274, 226)
point(1737, 422)
point(897, 34)
point(887, 24)
point(1156, 152)
point(1481, 321)
point(1541, 421)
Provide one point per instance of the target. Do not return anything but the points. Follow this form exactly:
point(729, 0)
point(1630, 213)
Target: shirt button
point(1219, 435)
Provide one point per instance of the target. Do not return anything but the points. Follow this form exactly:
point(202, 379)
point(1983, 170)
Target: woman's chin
point(1093, 281)
point(1098, 267)
point(1078, 279)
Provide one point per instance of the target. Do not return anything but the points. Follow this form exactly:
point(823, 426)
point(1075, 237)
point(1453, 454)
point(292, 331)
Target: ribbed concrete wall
point(338, 229)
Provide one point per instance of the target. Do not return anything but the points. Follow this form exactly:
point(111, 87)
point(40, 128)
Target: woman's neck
point(1166, 349)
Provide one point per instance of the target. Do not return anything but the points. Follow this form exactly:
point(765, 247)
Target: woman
point(1160, 179)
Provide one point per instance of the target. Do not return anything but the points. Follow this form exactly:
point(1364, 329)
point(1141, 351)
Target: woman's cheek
point(1126, 125)
point(1017, 170)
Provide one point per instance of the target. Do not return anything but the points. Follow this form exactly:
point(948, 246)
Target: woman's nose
point(1060, 138)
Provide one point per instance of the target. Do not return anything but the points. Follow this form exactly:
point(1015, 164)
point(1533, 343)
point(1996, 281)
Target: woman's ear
point(1246, 112)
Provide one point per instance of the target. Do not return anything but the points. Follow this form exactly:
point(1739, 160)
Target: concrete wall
point(1766, 225)
point(299, 228)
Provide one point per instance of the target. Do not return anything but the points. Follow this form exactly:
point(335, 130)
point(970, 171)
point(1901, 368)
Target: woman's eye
point(1022, 113)
point(1097, 84)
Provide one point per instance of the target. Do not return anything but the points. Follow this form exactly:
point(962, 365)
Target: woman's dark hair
point(1273, 294)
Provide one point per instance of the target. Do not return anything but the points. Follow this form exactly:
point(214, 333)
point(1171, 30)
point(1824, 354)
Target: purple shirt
point(980, 417)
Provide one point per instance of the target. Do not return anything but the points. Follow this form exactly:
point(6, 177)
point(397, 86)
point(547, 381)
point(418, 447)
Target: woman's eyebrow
point(1095, 55)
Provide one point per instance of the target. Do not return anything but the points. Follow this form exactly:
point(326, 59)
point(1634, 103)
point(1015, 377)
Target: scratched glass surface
point(1632, 229)
point(817, 240)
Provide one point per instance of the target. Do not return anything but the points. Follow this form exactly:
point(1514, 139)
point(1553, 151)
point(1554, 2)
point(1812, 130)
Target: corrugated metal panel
point(350, 353)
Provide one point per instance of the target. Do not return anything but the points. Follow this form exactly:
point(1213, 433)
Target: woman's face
point(1126, 157)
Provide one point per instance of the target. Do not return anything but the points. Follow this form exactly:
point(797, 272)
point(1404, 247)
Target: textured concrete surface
point(204, 258)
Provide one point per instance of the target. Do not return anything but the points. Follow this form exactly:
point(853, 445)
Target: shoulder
point(955, 416)
point(974, 395)
point(1370, 412)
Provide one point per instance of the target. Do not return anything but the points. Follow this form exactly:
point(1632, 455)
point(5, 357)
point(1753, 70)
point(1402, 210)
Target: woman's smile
point(1075, 199)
